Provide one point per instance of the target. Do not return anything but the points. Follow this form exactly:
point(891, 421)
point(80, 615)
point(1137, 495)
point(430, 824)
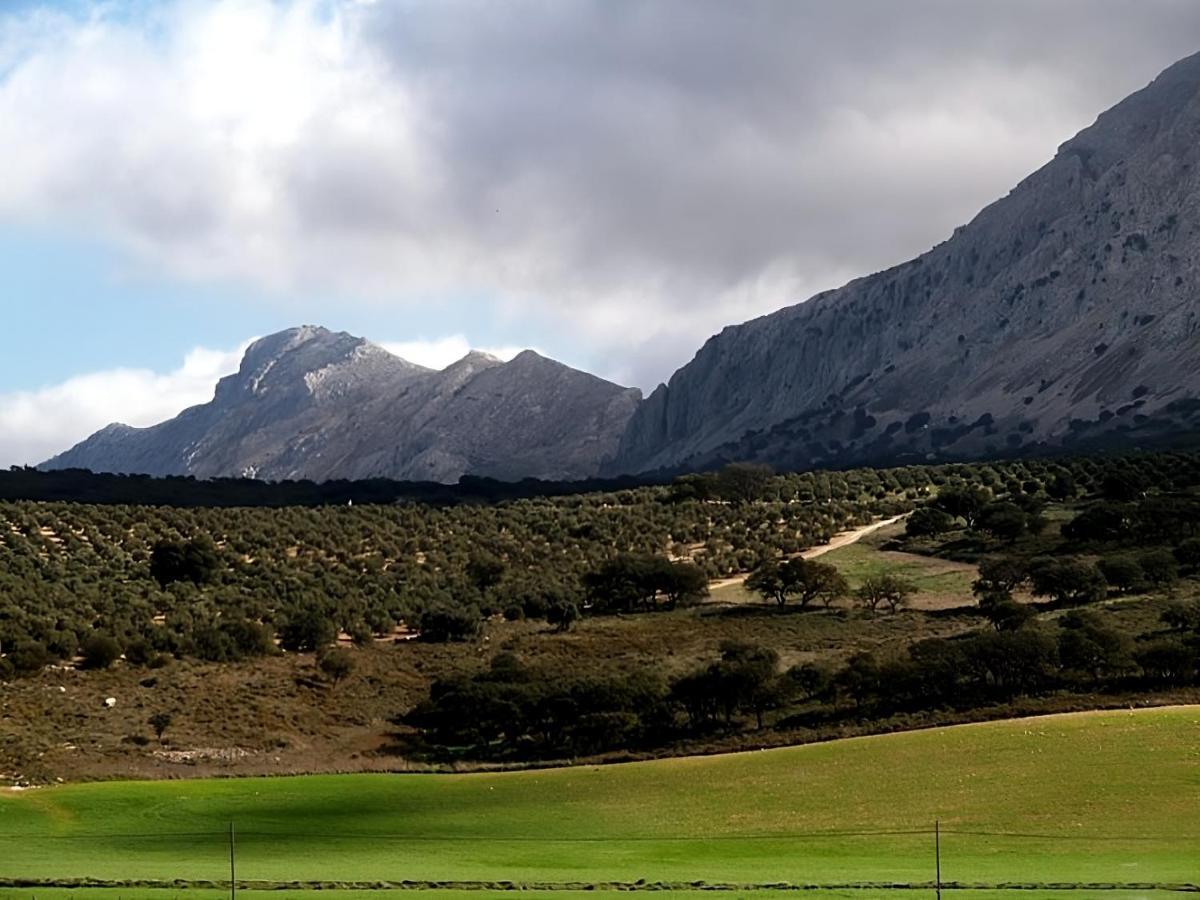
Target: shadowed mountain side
point(1064, 315)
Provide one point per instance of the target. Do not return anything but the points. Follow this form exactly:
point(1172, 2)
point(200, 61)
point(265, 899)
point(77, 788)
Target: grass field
point(940, 583)
point(843, 894)
point(1098, 797)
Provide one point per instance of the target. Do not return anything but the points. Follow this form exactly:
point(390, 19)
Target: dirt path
point(842, 539)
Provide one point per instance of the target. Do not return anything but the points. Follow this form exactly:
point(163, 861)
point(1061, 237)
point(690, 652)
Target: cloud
point(629, 175)
point(441, 352)
point(35, 425)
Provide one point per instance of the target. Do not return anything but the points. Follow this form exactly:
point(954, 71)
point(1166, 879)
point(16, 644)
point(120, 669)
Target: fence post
point(937, 855)
point(232, 865)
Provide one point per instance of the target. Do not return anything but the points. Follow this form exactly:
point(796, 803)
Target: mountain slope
point(1064, 314)
point(309, 403)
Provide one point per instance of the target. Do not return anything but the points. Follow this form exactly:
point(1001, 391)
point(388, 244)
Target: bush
point(336, 663)
point(928, 521)
point(1005, 521)
point(444, 623)
point(884, 590)
point(1067, 581)
point(100, 651)
point(1187, 554)
point(195, 561)
point(562, 614)
point(1123, 573)
point(1160, 567)
point(29, 656)
point(307, 629)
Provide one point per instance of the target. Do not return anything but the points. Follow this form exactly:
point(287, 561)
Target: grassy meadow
point(1097, 797)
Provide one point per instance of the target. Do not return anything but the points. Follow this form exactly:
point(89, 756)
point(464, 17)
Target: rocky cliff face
point(1065, 314)
point(309, 403)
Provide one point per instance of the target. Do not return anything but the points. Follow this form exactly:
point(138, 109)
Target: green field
point(939, 582)
point(1102, 797)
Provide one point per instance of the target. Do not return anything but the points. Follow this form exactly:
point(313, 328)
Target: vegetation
point(582, 625)
point(1112, 794)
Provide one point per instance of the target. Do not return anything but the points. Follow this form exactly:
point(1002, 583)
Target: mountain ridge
point(1062, 314)
point(308, 403)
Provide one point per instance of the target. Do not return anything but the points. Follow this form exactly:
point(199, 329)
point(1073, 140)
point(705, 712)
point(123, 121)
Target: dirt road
point(842, 539)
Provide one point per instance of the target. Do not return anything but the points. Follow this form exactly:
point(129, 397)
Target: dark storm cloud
point(693, 146)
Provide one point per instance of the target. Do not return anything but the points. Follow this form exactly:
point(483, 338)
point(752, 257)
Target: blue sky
point(94, 313)
point(608, 182)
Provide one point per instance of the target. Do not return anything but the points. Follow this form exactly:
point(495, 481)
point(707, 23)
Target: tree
point(562, 614)
point(1182, 616)
point(680, 582)
point(768, 581)
point(928, 521)
point(745, 679)
point(743, 482)
point(160, 722)
point(1067, 581)
point(1062, 486)
point(485, 570)
point(100, 651)
point(884, 590)
point(195, 560)
point(1168, 662)
point(1123, 484)
point(1000, 574)
point(306, 629)
point(1122, 572)
point(628, 582)
point(809, 680)
point(29, 656)
point(1004, 613)
point(1087, 645)
point(963, 502)
point(444, 623)
point(1006, 521)
point(813, 581)
point(1159, 567)
point(336, 663)
point(1187, 554)
point(804, 579)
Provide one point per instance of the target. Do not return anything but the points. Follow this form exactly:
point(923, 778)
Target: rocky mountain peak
point(1063, 315)
point(312, 403)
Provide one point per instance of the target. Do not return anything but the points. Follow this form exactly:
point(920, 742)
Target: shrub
point(29, 656)
point(306, 629)
point(928, 521)
point(1160, 567)
point(336, 663)
point(100, 651)
point(1123, 572)
point(444, 623)
point(1067, 581)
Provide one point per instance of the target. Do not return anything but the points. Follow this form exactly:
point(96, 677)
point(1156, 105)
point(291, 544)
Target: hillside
point(1099, 797)
point(311, 404)
point(380, 637)
point(1063, 315)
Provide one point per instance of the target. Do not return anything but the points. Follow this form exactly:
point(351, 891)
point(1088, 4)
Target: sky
point(607, 181)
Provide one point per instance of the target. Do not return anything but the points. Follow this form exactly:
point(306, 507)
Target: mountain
point(308, 403)
point(1064, 315)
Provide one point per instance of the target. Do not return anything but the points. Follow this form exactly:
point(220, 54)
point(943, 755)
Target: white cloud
point(35, 425)
point(441, 352)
